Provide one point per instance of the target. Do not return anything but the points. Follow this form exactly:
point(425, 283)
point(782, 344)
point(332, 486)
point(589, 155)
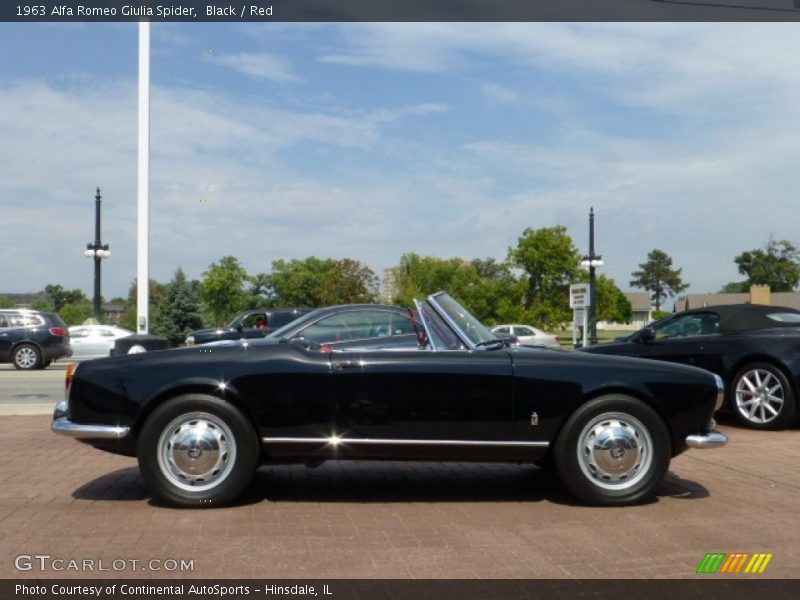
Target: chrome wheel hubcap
point(615, 451)
point(26, 357)
point(759, 396)
point(196, 451)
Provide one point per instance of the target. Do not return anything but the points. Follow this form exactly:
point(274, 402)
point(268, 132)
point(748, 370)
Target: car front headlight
point(189, 340)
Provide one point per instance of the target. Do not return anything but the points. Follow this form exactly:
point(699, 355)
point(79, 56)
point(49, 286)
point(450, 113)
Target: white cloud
point(260, 65)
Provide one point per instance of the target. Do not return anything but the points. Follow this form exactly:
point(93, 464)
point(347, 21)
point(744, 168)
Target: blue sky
point(371, 140)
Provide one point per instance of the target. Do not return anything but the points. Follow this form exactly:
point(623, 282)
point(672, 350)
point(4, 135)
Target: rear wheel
point(762, 397)
point(197, 451)
point(27, 356)
point(614, 450)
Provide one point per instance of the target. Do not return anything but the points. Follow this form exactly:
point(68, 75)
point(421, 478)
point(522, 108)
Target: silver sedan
point(94, 341)
point(528, 335)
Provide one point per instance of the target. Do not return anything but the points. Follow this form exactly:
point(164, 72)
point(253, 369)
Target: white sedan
point(528, 336)
point(94, 341)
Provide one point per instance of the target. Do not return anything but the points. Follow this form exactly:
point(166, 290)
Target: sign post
point(579, 301)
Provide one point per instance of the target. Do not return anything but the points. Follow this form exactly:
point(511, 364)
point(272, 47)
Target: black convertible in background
point(201, 419)
point(754, 348)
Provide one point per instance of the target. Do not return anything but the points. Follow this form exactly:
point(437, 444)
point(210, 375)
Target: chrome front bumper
point(64, 426)
point(710, 438)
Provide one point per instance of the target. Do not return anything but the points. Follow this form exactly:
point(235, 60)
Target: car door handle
point(340, 365)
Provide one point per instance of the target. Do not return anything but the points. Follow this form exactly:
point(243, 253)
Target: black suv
point(31, 339)
point(249, 324)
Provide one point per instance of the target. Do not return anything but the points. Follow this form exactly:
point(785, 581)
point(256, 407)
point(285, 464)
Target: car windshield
point(475, 331)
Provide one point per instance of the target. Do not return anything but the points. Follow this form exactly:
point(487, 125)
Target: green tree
point(776, 265)
point(155, 296)
point(179, 311)
point(6, 302)
point(42, 304)
point(60, 297)
point(660, 314)
point(222, 290)
point(76, 313)
point(657, 276)
point(550, 263)
point(320, 282)
point(612, 305)
point(485, 287)
point(258, 292)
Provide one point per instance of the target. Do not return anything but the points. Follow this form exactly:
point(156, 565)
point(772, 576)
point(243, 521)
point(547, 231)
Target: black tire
point(26, 357)
point(762, 398)
point(218, 452)
point(613, 450)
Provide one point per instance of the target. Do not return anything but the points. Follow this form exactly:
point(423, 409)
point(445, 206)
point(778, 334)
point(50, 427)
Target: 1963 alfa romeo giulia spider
point(202, 419)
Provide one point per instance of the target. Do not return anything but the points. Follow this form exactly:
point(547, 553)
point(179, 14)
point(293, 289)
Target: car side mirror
point(648, 334)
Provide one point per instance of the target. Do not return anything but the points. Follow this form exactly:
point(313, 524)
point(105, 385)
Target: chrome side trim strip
point(88, 432)
point(375, 442)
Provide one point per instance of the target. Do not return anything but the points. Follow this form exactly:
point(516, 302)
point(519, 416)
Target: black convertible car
point(754, 348)
point(201, 419)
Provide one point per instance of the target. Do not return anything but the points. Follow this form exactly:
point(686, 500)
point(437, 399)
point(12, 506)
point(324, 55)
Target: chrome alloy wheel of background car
point(196, 451)
point(759, 396)
point(615, 451)
point(26, 357)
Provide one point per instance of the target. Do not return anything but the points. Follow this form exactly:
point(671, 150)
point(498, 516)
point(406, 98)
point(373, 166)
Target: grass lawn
point(603, 336)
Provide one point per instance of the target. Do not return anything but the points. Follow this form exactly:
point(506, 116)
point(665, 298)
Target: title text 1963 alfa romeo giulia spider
point(201, 419)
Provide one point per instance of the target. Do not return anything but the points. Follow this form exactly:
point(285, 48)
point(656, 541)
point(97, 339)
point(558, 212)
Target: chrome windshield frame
point(421, 313)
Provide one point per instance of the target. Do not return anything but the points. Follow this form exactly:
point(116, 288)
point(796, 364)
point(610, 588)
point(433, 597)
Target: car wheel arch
point(228, 394)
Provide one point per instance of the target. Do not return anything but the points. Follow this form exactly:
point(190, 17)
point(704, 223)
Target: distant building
point(388, 285)
point(641, 309)
point(757, 295)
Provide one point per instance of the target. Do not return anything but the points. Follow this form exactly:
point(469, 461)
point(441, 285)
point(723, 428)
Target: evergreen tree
point(657, 276)
point(180, 309)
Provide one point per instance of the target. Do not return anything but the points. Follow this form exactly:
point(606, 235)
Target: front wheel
point(27, 357)
point(197, 451)
point(614, 450)
point(762, 397)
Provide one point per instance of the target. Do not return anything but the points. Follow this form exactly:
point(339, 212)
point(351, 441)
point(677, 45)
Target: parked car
point(754, 348)
point(95, 341)
point(354, 325)
point(249, 324)
point(200, 419)
point(30, 339)
point(528, 335)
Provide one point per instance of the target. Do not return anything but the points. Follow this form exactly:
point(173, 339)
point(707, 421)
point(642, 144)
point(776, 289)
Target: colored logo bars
point(742, 562)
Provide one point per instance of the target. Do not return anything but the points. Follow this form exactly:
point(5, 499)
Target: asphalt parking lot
point(67, 501)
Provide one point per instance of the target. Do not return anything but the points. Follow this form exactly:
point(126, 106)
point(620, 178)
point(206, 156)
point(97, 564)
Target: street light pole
point(98, 251)
point(592, 261)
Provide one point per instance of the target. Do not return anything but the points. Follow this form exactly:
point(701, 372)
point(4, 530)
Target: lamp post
point(98, 251)
point(592, 261)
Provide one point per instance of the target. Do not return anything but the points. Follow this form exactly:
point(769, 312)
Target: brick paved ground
point(399, 520)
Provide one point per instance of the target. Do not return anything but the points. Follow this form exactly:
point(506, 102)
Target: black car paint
point(235, 331)
point(290, 390)
point(724, 353)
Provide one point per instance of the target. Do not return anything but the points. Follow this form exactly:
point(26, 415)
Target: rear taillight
point(68, 378)
point(59, 331)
